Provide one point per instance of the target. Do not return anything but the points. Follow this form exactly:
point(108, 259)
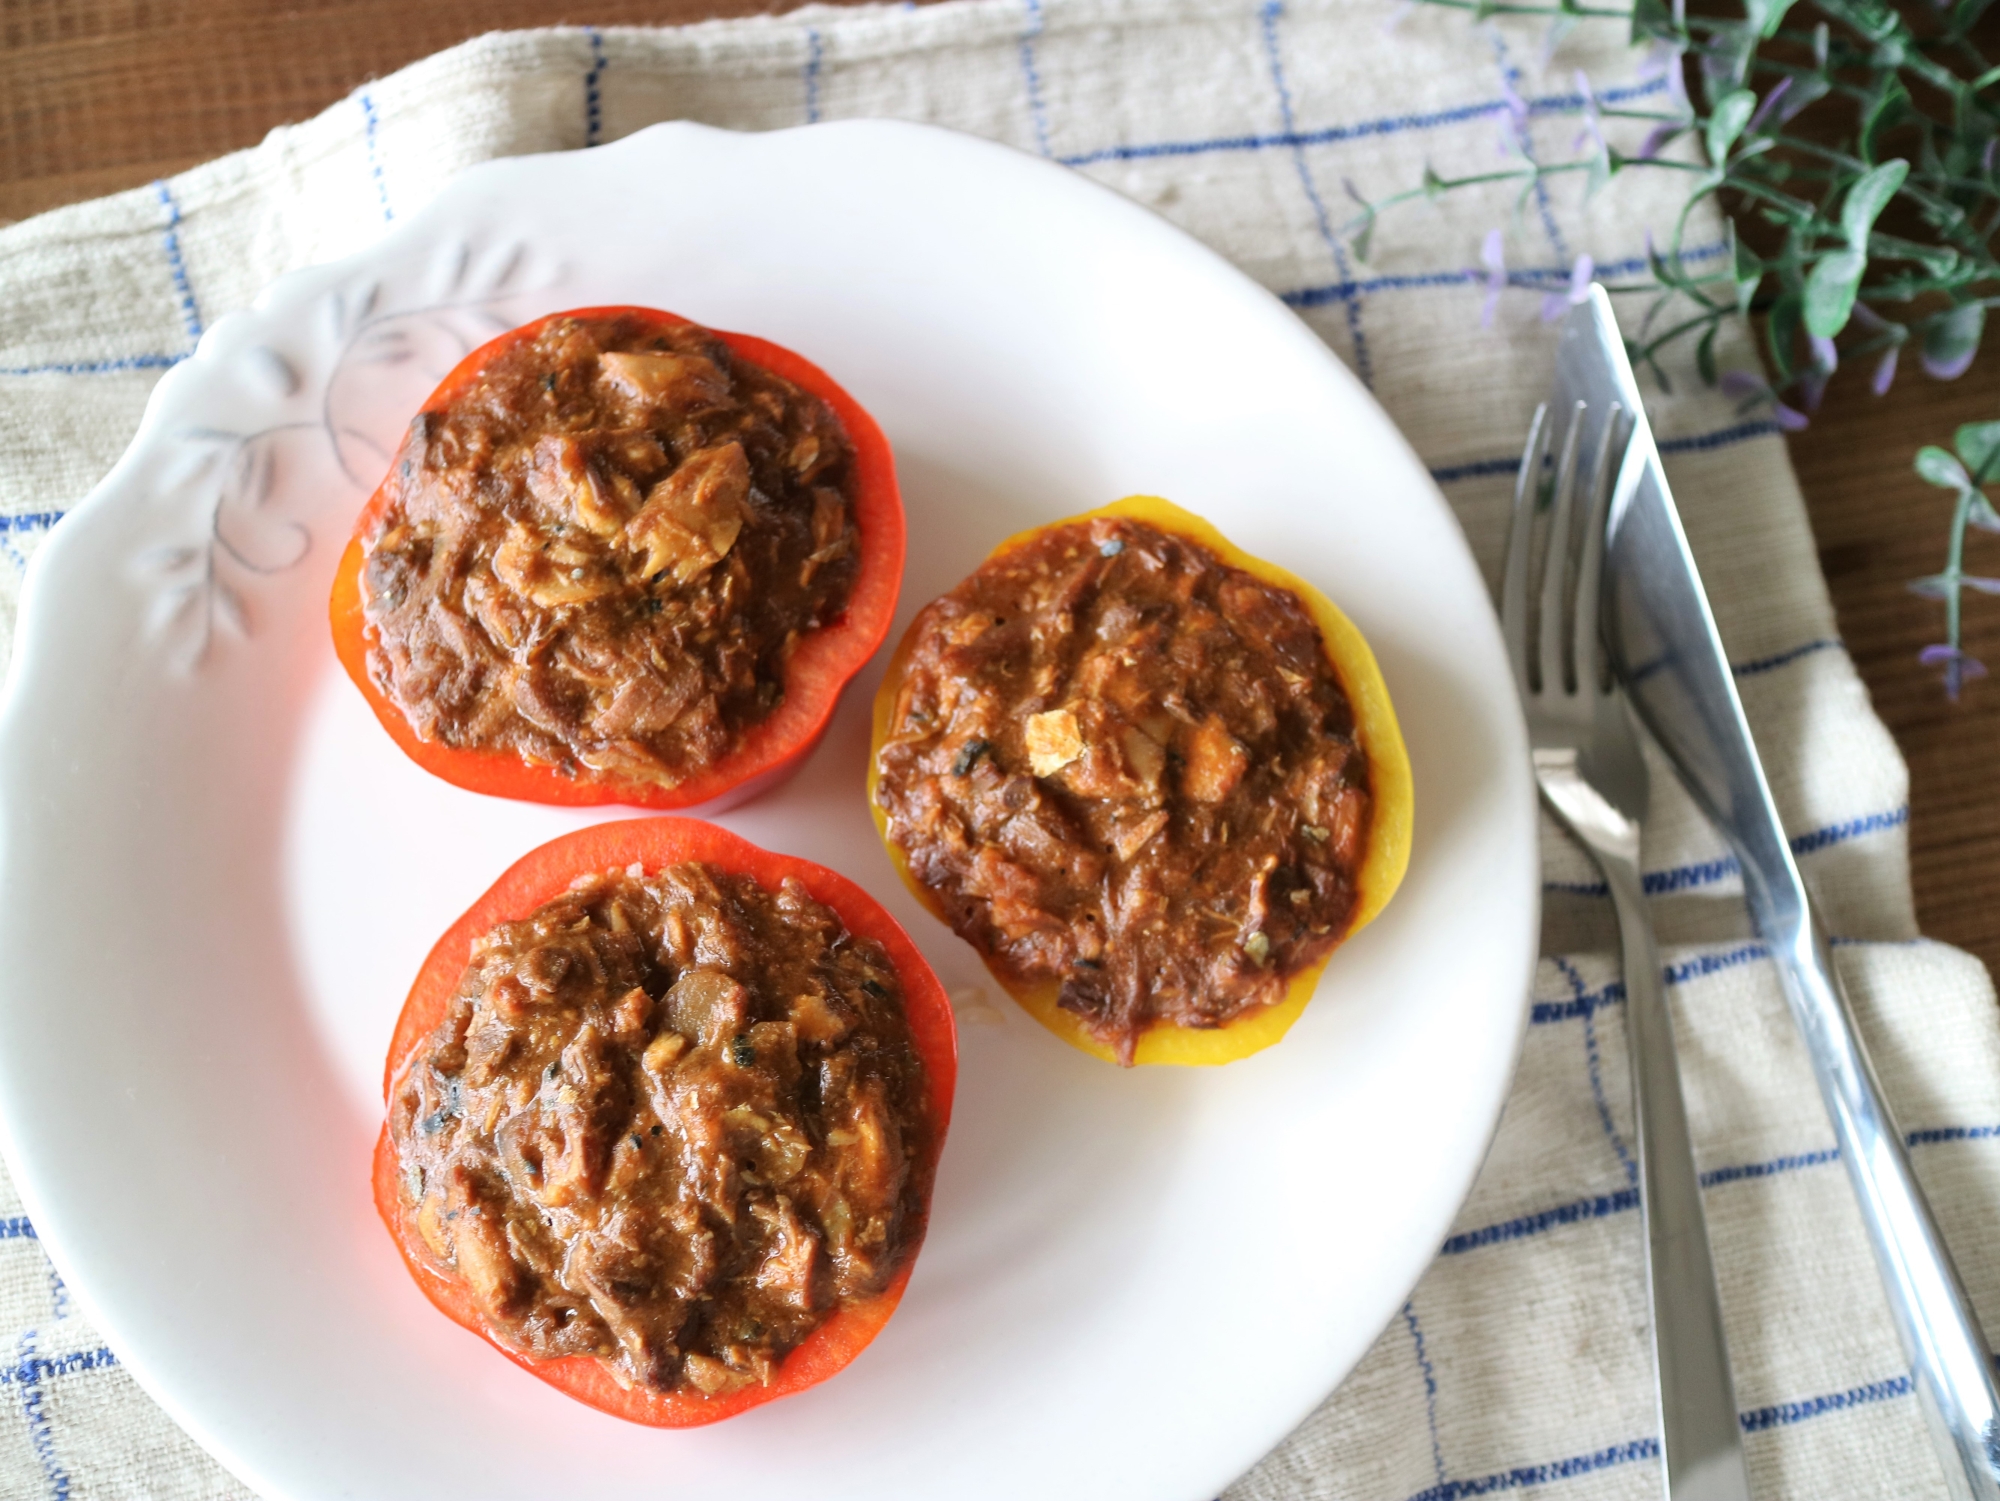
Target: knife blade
point(1663, 644)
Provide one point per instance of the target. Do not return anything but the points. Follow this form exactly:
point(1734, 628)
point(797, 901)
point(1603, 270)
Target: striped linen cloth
point(1520, 1362)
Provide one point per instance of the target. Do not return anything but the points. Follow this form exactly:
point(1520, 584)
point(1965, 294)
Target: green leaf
point(1725, 59)
point(1876, 20)
point(1967, 12)
point(1434, 186)
point(1748, 272)
point(1727, 123)
point(1978, 444)
point(1884, 113)
point(1363, 238)
point(1654, 19)
point(1867, 198)
point(1830, 289)
point(1780, 331)
point(1951, 341)
point(1982, 514)
point(1806, 87)
point(1602, 165)
point(1937, 260)
point(1936, 467)
point(1704, 355)
point(1766, 15)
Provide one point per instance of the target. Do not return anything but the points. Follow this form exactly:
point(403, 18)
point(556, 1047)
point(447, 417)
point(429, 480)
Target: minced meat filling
point(1127, 767)
point(603, 552)
point(673, 1122)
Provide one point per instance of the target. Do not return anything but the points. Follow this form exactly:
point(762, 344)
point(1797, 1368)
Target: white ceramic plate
point(218, 876)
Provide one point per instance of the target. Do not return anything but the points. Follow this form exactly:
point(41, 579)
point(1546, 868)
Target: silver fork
point(1588, 766)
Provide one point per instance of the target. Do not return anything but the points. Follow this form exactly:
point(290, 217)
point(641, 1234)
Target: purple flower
point(1513, 117)
point(1812, 380)
point(1593, 126)
point(1677, 90)
point(1670, 63)
point(1493, 256)
point(1986, 156)
point(1555, 304)
point(1959, 668)
point(1885, 368)
point(1659, 57)
point(1949, 368)
point(1748, 390)
point(1771, 101)
point(1951, 343)
point(1660, 134)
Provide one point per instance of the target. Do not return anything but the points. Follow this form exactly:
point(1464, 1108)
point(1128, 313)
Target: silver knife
point(1664, 647)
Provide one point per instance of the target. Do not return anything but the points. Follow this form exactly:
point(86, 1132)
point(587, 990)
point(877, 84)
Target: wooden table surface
point(99, 95)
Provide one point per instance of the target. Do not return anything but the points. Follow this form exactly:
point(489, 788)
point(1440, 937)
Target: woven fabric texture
point(1520, 1362)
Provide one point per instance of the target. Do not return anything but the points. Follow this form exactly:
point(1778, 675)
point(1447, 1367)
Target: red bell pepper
point(819, 668)
point(653, 844)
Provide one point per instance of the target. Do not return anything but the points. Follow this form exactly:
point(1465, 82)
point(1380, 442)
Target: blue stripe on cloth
point(1704, 442)
point(1784, 1414)
point(1449, 474)
point(1364, 366)
point(1951, 1133)
point(17, 1227)
point(1037, 111)
point(30, 1370)
point(98, 367)
point(370, 124)
point(1576, 1212)
point(1598, 1206)
point(593, 96)
point(1595, 1207)
point(1708, 872)
point(1542, 278)
point(1759, 665)
point(1544, 1013)
point(1430, 1387)
point(1446, 474)
point(1715, 1177)
point(1578, 995)
point(1542, 1474)
point(1781, 1415)
point(1854, 828)
point(1584, 1003)
point(814, 56)
point(1551, 104)
point(190, 314)
point(41, 1367)
point(1703, 965)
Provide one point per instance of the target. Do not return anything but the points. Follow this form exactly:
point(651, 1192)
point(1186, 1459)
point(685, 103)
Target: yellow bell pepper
point(1381, 739)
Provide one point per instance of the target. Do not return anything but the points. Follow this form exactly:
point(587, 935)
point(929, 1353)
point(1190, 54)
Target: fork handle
point(1700, 1436)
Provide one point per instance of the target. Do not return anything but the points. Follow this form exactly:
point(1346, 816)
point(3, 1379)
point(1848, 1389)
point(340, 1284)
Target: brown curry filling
point(673, 1122)
point(603, 552)
point(1128, 768)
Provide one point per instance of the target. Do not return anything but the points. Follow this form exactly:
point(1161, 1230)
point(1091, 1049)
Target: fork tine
point(1520, 533)
point(1590, 563)
point(1552, 675)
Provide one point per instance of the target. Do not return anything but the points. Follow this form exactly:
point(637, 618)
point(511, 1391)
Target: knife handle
point(1953, 1374)
point(1701, 1438)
